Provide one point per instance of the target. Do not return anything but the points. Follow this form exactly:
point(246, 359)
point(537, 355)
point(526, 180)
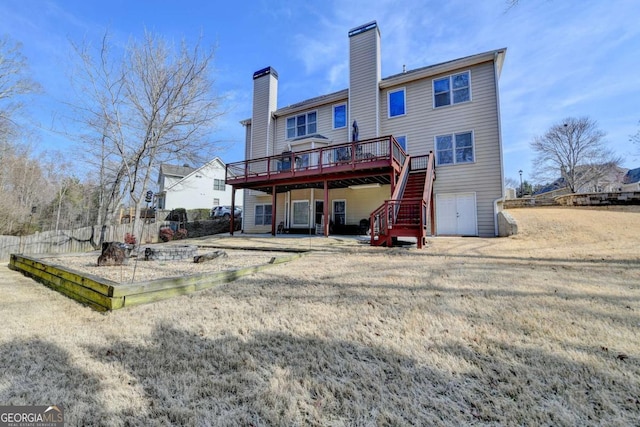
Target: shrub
point(166, 234)
point(130, 239)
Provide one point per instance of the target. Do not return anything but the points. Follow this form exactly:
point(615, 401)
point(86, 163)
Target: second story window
point(339, 116)
point(396, 103)
point(218, 184)
point(452, 89)
point(304, 124)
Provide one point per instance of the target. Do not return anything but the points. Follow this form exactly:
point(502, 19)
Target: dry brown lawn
point(541, 328)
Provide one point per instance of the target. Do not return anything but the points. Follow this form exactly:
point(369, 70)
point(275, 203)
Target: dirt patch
point(137, 269)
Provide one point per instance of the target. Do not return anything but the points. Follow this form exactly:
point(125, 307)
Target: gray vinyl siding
point(247, 141)
point(324, 122)
point(249, 211)
point(364, 74)
point(422, 123)
point(264, 102)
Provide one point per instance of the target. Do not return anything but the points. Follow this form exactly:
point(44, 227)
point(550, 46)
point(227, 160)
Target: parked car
point(225, 212)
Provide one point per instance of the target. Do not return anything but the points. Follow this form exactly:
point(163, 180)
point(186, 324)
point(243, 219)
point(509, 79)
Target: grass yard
point(542, 328)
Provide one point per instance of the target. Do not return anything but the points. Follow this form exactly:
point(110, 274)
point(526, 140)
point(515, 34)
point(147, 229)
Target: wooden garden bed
point(104, 294)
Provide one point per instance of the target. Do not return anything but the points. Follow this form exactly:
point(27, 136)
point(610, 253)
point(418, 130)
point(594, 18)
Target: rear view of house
point(411, 154)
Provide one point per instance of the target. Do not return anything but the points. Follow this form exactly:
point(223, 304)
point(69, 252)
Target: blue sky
point(565, 58)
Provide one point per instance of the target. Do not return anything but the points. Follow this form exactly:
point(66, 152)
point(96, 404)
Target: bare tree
point(574, 150)
point(21, 183)
point(14, 83)
point(635, 139)
point(154, 104)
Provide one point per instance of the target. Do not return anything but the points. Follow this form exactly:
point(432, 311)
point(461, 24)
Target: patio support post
point(325, 208)
point(232, 219)
point(393, 180)
point(274, 199)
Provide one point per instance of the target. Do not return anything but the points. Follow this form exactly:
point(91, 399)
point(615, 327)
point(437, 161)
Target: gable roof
point(632, 175)
point(174, 170)
point(446, 67)
point(194, 171)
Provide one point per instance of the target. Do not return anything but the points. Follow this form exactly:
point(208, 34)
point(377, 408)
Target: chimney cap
point(264, 72)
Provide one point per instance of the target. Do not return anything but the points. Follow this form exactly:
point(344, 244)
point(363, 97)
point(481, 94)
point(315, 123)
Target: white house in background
point(191, 188)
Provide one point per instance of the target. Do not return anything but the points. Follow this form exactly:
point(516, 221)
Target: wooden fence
point(68, 241)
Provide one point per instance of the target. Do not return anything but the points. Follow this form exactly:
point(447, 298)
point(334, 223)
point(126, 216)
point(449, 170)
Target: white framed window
point(216, 202)
point(396, 102)
point(263, 215)
point(453, 89)
point(301, 125)
point(300, 215)
point(454, 148)
point(219, 185)
point(339, 212)
point(339, 116)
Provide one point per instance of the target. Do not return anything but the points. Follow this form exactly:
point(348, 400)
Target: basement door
point(456, 214)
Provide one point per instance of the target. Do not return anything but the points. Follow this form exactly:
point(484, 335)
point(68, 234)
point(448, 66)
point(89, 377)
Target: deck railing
point(409, 214)
point(318, 160)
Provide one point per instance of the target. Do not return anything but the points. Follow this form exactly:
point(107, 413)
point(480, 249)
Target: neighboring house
point(631, 180)
point(605, 179)
point(601, 179)
point(340, 156)
point(191, 188)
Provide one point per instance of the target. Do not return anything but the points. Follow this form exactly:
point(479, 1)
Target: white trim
point(389, 92)
point(293, 217)
point(458, 195)
point(502, 192)
point(263, 214)
point(306, 124)
point(333, 218)
point(314, 209)
point(451, 103)
point(333, 115)
point(453, 135)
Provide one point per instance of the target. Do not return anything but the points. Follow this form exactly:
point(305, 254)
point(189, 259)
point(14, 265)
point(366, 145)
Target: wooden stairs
point(410, 211)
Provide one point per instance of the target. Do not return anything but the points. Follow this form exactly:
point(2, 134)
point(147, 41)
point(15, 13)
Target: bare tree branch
point(574, 150)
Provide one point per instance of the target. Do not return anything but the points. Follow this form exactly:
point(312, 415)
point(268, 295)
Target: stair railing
point(427, 195)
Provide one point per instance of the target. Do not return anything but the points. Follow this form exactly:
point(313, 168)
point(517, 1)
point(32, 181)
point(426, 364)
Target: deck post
point(274, 199)
point(325, 208)
point(232, 220)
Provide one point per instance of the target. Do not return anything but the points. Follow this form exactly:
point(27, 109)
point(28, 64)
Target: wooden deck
point(367, 161)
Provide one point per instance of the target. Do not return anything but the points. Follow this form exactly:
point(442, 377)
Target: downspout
point(502, 195)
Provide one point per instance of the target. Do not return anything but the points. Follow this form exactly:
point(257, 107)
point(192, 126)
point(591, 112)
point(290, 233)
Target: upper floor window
point(455, 148)
point(396, 103)
point(304, 124)
point(218, 184)
point(339, 116)
point(452, 89)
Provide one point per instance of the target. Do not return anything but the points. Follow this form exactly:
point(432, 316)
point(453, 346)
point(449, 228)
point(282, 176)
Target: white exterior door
point(456, 214)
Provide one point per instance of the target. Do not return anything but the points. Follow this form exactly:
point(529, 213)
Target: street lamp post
point(521, 188)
